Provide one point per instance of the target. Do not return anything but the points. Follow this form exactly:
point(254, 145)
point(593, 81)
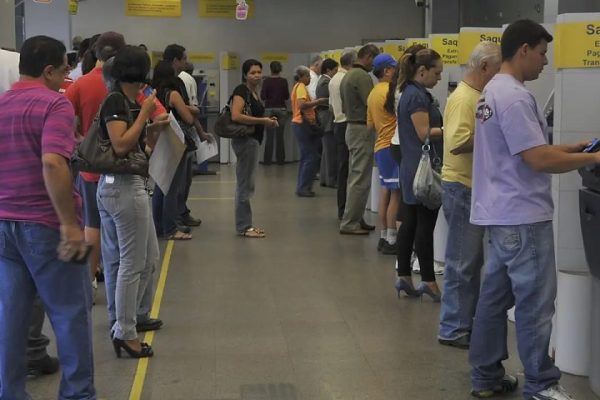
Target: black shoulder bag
point(96, 154)
point(226, 128)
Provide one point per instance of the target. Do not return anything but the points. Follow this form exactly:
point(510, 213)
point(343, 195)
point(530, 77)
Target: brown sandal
point(255, 233)
point(178, 235)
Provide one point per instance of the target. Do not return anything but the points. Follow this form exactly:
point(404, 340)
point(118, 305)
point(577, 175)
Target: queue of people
point(491, 148)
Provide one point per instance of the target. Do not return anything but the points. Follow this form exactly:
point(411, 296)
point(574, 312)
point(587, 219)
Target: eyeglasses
point(64, 69)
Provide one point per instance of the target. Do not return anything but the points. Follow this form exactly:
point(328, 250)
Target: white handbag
point(427, 186)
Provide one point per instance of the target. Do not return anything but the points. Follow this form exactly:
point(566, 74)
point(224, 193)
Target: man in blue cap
point(384, 125)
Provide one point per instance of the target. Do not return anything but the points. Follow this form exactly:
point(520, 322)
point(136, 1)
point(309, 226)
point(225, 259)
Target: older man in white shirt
point(339, 127)
point(315, 74)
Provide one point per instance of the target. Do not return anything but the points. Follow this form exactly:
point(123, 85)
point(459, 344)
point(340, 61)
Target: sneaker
point(46, 366)
point(438, 268)
point(555, 392)
point(94, 290)
point(508, 384)
point(416, 267)
point(389, 249)
point(380, 244)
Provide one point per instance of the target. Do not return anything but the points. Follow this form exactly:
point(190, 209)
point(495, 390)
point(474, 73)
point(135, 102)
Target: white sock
point(384, 233)
point(392, 234)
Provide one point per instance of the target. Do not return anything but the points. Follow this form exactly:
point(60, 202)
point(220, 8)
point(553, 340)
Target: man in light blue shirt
point(512, 198)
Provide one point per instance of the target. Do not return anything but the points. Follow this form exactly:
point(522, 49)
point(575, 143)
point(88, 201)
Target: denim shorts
point(87, 190)
point(389, 171)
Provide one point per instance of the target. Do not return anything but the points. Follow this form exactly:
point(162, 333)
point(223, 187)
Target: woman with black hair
point(418, 119)
point(89, 59)
point(164, 206)
point(247, 109)
point(129, 243)
point(275, 92)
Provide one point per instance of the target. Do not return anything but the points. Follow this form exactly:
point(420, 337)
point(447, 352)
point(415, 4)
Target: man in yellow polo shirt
point(384, 124)
point(464, 250)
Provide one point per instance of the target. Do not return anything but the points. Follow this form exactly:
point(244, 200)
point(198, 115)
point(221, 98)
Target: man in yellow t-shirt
point(464, 249)
point(384, 125)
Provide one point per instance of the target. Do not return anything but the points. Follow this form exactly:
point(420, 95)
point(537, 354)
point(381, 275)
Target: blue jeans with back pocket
point(29, 263)
point(464, 260)
point(519, 270)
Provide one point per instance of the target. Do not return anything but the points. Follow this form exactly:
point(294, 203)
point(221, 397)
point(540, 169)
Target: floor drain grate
point(269, 391)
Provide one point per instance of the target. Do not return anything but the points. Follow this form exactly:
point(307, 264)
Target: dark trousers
point(37, 341)
point(165, 206)
point(329, 163)
point(308, 143)
point(185, 186)
point(274, 136)
point(418, 223)
point(343, 156)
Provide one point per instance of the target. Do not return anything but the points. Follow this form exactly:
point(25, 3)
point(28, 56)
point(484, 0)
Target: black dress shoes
point(46, 366)
point(152, 324)
point(365, 226)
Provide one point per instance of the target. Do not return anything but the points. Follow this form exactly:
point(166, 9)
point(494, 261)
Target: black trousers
point(343, 158)
point(418, 223)
point(274, 136)
point(186, 184)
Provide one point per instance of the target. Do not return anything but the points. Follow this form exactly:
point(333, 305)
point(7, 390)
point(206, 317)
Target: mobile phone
point(148, 91)
point(593, 147)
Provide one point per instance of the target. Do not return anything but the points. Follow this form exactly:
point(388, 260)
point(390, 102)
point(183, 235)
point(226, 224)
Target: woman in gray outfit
point(129, 244)
point(246, 108)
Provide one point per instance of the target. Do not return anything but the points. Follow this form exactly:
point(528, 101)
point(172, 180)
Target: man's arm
point(557, 160)
point(59, 183)
point(364, 86)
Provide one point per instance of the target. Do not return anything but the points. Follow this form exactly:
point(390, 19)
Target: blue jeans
point(29, 263)
point(464, 259)
point(309, 156)
point(129, 250)
point(519, 270)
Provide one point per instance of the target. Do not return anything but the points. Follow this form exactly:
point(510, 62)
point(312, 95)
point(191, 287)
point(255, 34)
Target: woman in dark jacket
point(417, 118)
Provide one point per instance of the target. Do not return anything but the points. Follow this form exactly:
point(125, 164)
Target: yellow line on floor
point(210, 198)
point(142, 368)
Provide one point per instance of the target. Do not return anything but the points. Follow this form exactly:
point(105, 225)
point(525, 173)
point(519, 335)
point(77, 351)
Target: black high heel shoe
point(145, 352)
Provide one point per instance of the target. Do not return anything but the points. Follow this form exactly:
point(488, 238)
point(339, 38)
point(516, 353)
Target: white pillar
point(7, 24)
point(51, 19)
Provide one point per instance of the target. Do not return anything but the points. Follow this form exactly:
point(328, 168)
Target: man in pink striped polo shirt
point(41, 240)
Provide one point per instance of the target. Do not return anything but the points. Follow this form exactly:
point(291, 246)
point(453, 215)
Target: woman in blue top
point(417, 117)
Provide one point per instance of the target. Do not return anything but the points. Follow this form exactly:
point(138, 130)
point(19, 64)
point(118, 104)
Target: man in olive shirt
point(354, 90)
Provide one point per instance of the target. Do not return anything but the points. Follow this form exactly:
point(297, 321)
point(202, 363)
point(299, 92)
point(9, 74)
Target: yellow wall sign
point(155, 57)
point(577, 45)
point(413, 42)
point(153, 8)
point(230, 61)
point(395, 50)
point(267, 58)
point(202, 58)
point(467, 40)
point(73, 7)
point(221, 8)
point(447, 47)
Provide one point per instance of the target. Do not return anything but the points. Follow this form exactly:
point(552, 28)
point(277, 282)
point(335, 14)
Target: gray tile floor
point(305, 314)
